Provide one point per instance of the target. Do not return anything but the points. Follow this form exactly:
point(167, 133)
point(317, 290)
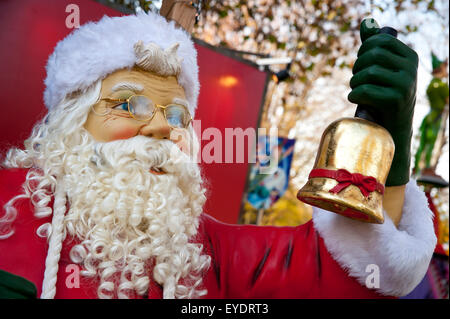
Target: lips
point(157, 171)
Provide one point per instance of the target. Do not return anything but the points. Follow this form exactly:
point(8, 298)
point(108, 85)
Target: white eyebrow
point(127, 86)
point(177, 100)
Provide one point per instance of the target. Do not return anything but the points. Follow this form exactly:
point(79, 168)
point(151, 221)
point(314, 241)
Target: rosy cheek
point(123, 133)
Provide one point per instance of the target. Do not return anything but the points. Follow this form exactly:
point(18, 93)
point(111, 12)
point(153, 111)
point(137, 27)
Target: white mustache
point(141, 150)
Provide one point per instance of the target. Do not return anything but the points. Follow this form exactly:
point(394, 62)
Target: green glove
point(385, 79)
point(15, 287)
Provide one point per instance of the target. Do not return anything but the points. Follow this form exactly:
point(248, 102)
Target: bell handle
point(366, 112)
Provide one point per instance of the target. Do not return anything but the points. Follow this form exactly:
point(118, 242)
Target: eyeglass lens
point(142, 109)
point(177, 116)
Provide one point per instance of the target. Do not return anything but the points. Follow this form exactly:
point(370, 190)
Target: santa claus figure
point(105, 189)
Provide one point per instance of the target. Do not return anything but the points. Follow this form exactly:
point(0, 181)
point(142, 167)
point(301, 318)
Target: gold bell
point(350, 170)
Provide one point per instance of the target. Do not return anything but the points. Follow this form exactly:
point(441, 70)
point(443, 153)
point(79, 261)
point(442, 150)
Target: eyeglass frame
point(157, 106)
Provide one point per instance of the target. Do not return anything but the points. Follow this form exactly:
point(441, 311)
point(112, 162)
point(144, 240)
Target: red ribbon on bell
point(366, 184)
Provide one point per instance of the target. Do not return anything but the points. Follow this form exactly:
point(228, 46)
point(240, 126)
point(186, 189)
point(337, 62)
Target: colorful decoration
point(435, 284)
point(438, 277)
point(287, 211)
point(269, 177)
point(433, 127)
point(269, 200)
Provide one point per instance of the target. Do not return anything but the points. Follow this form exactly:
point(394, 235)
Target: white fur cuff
point(402, 255)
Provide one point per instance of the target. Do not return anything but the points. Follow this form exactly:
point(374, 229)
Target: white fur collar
point(402, 254)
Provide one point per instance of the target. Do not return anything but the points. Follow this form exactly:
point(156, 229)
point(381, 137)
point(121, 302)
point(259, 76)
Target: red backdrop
point(30, 29)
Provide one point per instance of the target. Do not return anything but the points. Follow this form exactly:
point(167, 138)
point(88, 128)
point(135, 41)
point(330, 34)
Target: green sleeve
point(16, 287)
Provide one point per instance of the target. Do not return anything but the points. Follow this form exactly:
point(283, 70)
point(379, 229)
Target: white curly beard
point(128, 218)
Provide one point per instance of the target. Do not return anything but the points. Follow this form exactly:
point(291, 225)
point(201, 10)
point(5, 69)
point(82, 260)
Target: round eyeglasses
point(142, 108)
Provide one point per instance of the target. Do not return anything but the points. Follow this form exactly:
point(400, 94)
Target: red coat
point(246, 261)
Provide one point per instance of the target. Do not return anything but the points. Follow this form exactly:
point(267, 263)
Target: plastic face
point(116, 123)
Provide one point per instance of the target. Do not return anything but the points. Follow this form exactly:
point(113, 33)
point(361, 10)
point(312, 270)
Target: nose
point(157, 127)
